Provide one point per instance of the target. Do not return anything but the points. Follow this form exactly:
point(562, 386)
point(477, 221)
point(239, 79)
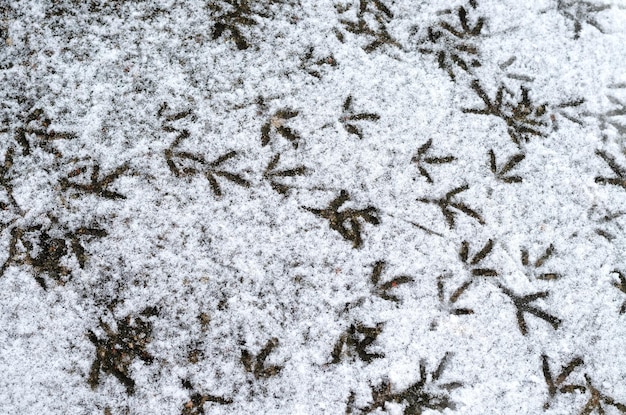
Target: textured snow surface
point(312, 207)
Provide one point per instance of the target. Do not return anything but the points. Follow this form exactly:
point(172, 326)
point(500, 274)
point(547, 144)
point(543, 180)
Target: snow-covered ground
point(312, 207)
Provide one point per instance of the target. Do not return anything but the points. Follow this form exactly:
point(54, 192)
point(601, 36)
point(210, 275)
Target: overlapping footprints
point(453, 43)
point(120, 346)
point(559, 385)
point(428, 392)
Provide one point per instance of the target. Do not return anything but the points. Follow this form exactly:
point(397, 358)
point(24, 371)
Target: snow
point(154, 86)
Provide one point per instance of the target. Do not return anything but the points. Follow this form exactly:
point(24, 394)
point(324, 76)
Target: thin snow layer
point(312, 207)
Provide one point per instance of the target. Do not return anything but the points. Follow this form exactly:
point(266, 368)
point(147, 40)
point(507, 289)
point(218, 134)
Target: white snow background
point(154, 92)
